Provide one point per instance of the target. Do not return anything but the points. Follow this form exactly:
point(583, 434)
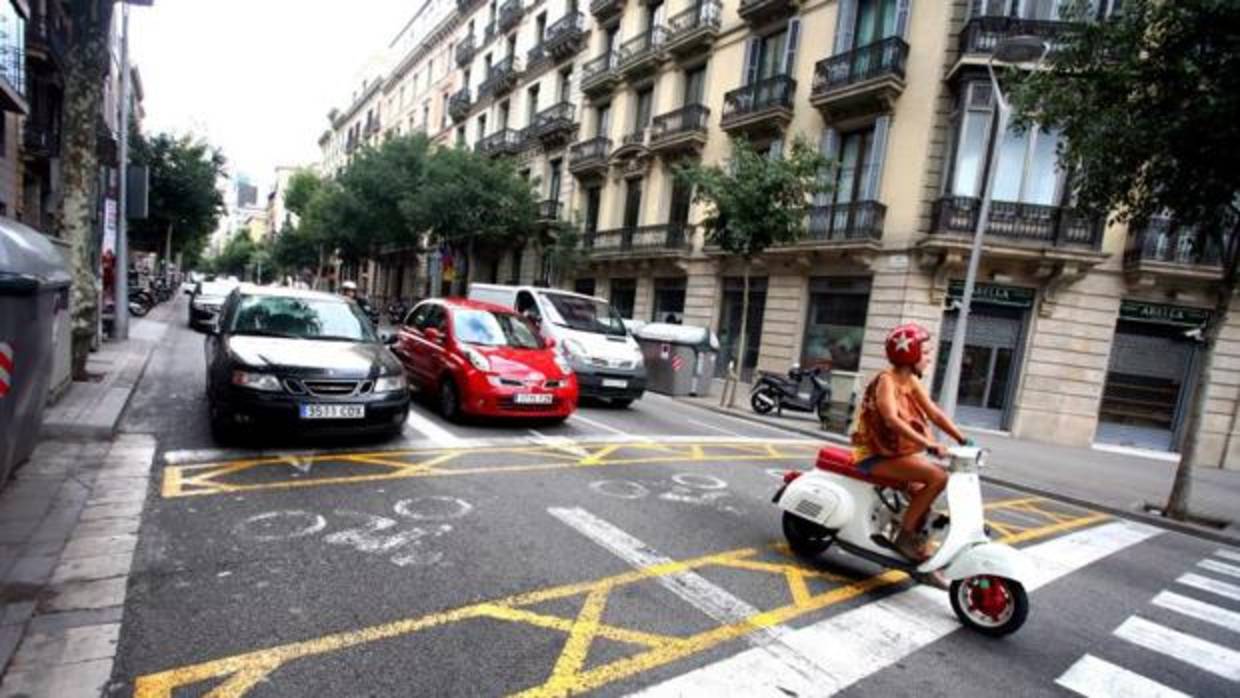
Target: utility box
point(34, 285)
point(680, 359)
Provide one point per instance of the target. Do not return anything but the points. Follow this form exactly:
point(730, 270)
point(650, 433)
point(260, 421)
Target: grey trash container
point(680, 359)
point(34, 288)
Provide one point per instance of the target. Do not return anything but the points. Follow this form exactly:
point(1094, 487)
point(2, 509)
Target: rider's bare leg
point(928, 481)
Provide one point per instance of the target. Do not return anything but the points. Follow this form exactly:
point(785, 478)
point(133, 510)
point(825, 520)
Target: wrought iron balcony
point(488, 32)
point(555, 124)
point(763, 106)
point(39, 140)
point(631, 144)
point(589, 157)
point(758, 12)
point(465, 6)
point(1018, 223)
point(673, 238)
point(681, 130)
point(466, 50)
point(866, 80)
point(598, 75)
point(537, 57)
point(372, 127)
point(458, 104)
point(566, 36)
point(505, 141)
point(549, 210)
point(695, 29)
point(981, 34)
point(509, 15)
point(847, 222)
point(1162, 248)
point(43, 39)
point(501, 77)
point(641, 54)
point(604, 10)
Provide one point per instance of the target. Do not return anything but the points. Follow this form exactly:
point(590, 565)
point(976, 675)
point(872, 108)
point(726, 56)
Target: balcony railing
point(1161, 241)
point(42, 35)
point(701, 19)
point(692, 118)
point(606, 9)
point(670, 237)
point(590, 154)
point(554, 121)
point(879, 59)
point(509, 15)
point(856, 220)
point(596, 72)
point(758, 11)
point(39, 140)
point(537, 57)
point(641, 47)
point(566, 36)
point(488, 32)
point(464, 6)
point(549, 210)
point(458, 104)
point(505, 141)
point(465, 50)
point(1019, 223)
point(500, 78)
point(982, 34)
point(771, 93)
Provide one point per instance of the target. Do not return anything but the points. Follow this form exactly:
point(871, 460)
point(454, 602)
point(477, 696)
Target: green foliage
point(236, 255)
point(302, 186)
point(294, 250)
point(754, 201)
point(183, 195)
point(376, 186)
point(1148, 102)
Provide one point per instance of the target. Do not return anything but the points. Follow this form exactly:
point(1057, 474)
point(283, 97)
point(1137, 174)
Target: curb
point(1148, 519)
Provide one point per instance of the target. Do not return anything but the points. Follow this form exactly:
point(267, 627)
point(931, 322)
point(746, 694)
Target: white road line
point(1198, 609)
point(711, 427)
point(855, 644)
point(432, 431)
point(1097, 678)
point(695, 590)
point(597, 425)
point(1202, 654)
point(559, 443)
point(1196, 581)
point(1228, 554)
point(1220, 567)
point(738, 420)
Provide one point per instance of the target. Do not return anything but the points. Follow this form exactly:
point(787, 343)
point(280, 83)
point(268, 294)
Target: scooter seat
point(839, 459)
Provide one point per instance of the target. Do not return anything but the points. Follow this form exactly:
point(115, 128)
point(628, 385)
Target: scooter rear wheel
point(994, 606)
point(762, 401)
point(805, 537)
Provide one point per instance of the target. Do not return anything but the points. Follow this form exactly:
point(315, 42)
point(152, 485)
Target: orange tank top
point(874, 436)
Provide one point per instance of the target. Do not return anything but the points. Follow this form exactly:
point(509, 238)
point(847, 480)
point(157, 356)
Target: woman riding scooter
point(892, 431)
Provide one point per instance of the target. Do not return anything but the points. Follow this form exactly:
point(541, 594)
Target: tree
point(294, 250)
point(378, 183)
point(1147, 101)
point(302, 186)
point(184, 203)
point(236, 256)
point(753, 202)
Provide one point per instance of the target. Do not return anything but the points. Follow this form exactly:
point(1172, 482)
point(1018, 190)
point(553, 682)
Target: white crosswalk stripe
point(1213, 586)
point(1202, 654)
point(1220, 567)
point(1198, 609)
point(1227, 554)
point(1098, 678)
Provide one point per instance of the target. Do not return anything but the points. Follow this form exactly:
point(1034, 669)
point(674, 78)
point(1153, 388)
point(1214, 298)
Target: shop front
point(730, 325)
point(835, 322)
point(998, 321)
point(1150, 375)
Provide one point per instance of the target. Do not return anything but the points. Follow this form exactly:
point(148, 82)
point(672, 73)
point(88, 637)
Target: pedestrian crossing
point(1196, 599)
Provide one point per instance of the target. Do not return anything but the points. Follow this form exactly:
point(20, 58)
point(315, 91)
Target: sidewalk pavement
point(1118, 482)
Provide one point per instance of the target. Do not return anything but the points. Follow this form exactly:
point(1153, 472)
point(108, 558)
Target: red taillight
point(792, 475)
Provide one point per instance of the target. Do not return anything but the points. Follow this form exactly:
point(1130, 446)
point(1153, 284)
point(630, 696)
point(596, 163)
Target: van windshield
point(585, 314)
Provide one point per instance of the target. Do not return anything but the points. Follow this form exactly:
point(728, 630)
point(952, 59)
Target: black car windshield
point(300, 318)
point(493, 329)
point(586, 314)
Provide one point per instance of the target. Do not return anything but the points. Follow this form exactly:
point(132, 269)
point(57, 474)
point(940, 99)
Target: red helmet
point(904, 344)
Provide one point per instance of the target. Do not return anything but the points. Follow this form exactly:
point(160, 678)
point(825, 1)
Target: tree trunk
point(742, 340)
point(85, 65)
point(318, 270)
point(1181, 487)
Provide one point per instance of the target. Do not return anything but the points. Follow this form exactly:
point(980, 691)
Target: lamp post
point(1017, 49)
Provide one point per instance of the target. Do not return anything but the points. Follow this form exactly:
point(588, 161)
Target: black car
point(300, 360)
point(205, 302)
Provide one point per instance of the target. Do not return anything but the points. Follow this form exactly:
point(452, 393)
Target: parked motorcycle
point(140, 302)
point(773, 391)
point(837, 504)
point(397, 310)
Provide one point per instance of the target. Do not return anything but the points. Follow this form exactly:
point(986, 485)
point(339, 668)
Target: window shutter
point(829, 148)
point(845, 23)
point(790, 48)
point(878, 151)
point(902, 12)
point(751, 61)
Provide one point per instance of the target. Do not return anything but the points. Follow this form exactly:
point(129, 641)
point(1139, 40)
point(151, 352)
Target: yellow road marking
point(243, 671)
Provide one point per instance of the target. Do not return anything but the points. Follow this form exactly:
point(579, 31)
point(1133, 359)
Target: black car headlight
point(257, 381)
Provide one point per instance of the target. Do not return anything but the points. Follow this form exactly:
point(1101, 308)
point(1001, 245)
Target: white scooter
point(836, 503)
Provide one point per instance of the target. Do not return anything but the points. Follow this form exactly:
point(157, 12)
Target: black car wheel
point(449, 400)
point(222, 430)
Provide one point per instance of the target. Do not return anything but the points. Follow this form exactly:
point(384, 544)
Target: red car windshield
point(491, 329)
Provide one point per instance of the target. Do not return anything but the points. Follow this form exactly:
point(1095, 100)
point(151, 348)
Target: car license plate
point(614, 383)
point(532, 398)
point(333, 411)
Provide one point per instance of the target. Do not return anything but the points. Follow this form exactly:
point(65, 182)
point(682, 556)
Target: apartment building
point(1080, 333)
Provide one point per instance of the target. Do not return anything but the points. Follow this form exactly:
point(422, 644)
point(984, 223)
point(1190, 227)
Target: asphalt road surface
point(624, 551)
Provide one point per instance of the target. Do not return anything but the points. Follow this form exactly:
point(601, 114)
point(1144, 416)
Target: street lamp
point(1016, 49)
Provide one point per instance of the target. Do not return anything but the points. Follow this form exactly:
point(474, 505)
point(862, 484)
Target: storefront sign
point(109, 225)
point(993, 294)
point(1179, 315)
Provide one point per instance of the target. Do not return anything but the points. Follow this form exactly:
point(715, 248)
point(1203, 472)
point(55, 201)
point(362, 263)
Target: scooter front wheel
point(994, 606)
point(805, 537)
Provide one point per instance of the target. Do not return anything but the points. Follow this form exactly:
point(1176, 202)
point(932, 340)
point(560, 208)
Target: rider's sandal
point(936, 580)
point(911, 546)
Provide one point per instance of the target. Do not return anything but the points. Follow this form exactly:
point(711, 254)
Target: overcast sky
point(256, 77)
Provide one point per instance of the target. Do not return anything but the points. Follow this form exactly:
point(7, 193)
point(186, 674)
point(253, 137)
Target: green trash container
point(34, 288)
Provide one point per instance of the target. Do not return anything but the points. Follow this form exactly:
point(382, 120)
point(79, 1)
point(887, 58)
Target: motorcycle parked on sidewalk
point(773, 391)
point(837, 504)
point(397, 310)
point(140, 302)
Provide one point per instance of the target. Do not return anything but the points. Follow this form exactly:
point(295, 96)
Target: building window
point(540, 28)
point(13, 47)
point(531, 104)
point(624, 296)
point(645, 100)
point(594, 196)
point(603, 127)
point(584, 286)
point(566, 84)
point(835, 324)
point(669, 300)
point(482, 126)
point(502, 121)
point(695, 86)
point(851, 176)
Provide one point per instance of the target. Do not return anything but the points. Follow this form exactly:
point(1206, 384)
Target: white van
point(587, 330)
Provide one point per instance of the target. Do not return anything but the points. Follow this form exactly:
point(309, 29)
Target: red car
point(482, 359)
